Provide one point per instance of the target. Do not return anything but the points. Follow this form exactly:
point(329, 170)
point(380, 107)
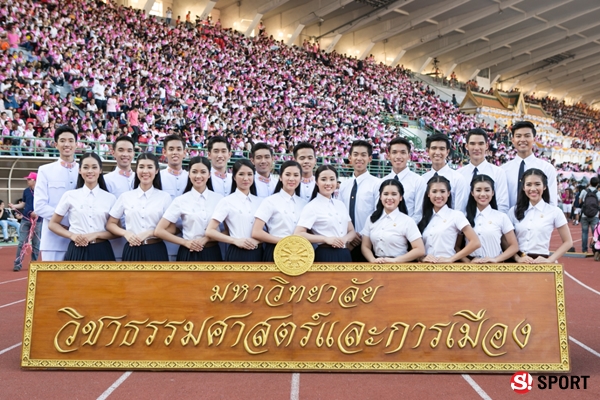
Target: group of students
point(480, 213)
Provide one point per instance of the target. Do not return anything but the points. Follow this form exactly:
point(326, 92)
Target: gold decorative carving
point(294, 255)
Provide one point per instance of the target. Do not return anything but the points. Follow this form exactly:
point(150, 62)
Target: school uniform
point(365, 201)
point(535, 229)
point(490, 225)
point(327, 217)
point(88, 212)
point(143, 211)
point(173, 183)
point(264, 186)
point(512, 168)
point(195, 210)
point(391, 234)
point(221, 183)
point(497, 174)
point(280, 212)
point(307, 186)
point(414, 186)
point(53, 181)
point(117, 183)
point(459, 188)
point(237, 212)
point(441, 232)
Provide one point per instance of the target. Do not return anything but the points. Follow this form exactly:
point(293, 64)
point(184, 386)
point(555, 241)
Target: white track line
point(114, 386)
point(582, 284)
point(476, 387)
point(14, 280)
point(577, 342)
point(14, 346)
point(10, 304)
point(295, 393)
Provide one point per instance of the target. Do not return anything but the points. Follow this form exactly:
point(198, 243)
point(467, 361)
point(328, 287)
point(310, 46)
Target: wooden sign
point(357, 317)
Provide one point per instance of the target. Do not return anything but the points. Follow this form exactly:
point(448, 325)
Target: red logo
point(521, 382)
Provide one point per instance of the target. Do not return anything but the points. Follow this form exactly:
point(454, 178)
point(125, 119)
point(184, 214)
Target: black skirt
point(146, 252)
point(209, 254)
point(92, 252)
point(331, 255)
point(235, 254)
point(269, 249)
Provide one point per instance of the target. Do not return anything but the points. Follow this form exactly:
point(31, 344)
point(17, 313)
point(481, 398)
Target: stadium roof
point(546, 46)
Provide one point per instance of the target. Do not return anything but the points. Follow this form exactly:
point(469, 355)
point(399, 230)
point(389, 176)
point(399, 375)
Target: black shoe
point(16, 269)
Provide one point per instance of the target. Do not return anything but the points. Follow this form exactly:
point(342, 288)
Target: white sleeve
point(507, 226)
point(118, 209)
point(420, 189)
point(461, 221)
point(264, 212)
point(462, 194)
point(367, 228)
point(173, 212)
point(41, 204)
point(412, 231)
point(552, 187)
point(501, 187)
point(559, 218)
point(221, 211)
point(64, 204)
point(307, 218)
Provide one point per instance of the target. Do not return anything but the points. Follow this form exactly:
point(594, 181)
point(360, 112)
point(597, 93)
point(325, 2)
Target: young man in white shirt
point(360, 193)
point(261, 156)
point(438, 149)
point(477, 146)
point(53, 180)
point(398, 153)
point(304, 154)
point(219, 153)
point(523, 139)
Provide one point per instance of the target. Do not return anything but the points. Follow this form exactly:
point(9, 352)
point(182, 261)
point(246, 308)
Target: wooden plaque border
point(489, 367)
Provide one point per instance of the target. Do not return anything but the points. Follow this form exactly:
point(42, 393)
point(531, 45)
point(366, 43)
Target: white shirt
point(88, 209)
point(118, 184)
point(237, 211)
point(221, 186)
point(367, 195)
point(414, 186)
point(142, 210)
point(511, 169)
point(264, 189)
point(490, 225)
point(53, 181)
point(281, 212)
point(459, 187)
point(391, 234)
point(442, 231)
point(174, 185)
point(326, 217)
point(499, 177)
point(195, 210)
point(306, 189)
point(535, 229)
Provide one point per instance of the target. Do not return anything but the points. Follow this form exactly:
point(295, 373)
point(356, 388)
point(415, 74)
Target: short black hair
point(437, 137)
point(362, 143)
point(121, 139)
point(594, 181)
point(477, 132)
point(64, 129)
point(522, 124)
point(217, 139)
point(302, 145)
point(260, 146)
point(399, 140)
point(172, 138)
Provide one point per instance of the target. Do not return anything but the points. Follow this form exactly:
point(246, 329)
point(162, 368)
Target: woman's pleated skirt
point(268, 250)
point(235, 254)
point(209, 254)
point(326, 254)
point(146, 252)
point(101, 251)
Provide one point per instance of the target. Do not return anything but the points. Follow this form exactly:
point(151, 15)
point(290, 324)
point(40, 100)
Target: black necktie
point(353, 201)
point(436, 174)
point(396, 178)
point(475, 172)
point(521, 172)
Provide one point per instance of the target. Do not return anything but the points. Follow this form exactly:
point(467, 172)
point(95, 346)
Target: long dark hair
point(428, 205)
point(284, 166)
point(81, 181)
point(236, 168)
point(157, 183)
point(379, 208)
point(322, 168)
point(472, 203)
point(194, 161)
point(522, 199)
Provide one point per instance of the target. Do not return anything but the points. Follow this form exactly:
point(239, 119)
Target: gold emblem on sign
point(294, 255)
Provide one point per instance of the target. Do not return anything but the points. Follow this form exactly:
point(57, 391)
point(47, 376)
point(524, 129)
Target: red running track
point(583, 315)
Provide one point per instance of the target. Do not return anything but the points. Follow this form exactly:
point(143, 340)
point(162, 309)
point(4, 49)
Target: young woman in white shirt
point(279, 212)
point(441, 225)
point(195, 208)
point(328, 220)
point(535, 220)
point(88, 207)
point(389, 231)
point(491, 226)
point(143, 208)
point(237, 211)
